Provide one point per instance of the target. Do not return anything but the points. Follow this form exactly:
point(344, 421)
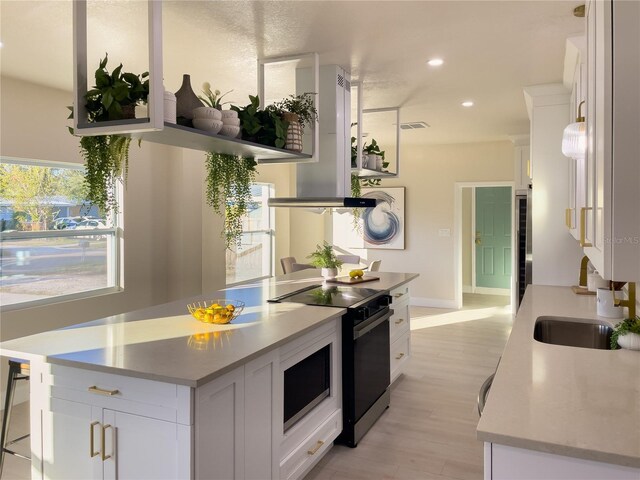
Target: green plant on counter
point(229, 180)
point(629, 325)
point(115, 94)
point(212, 97)
point(262, 126)
point(323, 257)
point(301, 105)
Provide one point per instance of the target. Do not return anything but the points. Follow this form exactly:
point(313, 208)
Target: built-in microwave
point(306, 384)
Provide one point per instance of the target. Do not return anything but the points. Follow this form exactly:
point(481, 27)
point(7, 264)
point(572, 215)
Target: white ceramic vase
point(207, 112)
point(329, 273)
point(630, 341)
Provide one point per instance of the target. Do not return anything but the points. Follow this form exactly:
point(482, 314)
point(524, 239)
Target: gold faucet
point(630, 303)
point(583, 271)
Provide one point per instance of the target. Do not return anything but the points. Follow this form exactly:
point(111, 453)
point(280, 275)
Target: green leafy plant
point(356, 192)
point(628, 325)
point(262, 126)
point(212, 97)
point(301, 105)
point(229, 180)
point(323, 257)
point(115, 92)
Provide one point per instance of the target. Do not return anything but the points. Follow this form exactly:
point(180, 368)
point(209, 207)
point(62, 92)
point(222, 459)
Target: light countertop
point(166, 343)
point(577, 402)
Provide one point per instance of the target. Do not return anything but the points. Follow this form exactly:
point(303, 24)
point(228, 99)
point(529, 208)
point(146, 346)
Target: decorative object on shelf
point(626, 334)
point(219, 311)
point(208, 113)
point(297, 111)
point(262, 126)
point(229, 180)
point(231, 124)
point(116, 94)
point(230, 130)
point(383, 225)
point(210, 125)
point(574, 137)
point(186, 102)
point(324, 257)
point(169, 107)
point(212, 98)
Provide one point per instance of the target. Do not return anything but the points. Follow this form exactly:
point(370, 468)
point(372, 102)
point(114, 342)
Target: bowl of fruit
point(218, 311)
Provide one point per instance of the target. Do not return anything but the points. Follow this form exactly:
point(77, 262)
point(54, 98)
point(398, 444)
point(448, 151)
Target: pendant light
point(574, 138)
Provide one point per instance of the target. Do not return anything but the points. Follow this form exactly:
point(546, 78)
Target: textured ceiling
point(491, 50)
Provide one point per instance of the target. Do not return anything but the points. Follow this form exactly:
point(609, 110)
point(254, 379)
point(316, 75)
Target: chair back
point(375, 266)
point(286, 263)
point(353, 259)
point(296, 267)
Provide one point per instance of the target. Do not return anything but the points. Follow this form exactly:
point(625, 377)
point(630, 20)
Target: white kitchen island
point(156, 394)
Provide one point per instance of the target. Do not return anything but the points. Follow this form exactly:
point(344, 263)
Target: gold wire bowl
point(218, 311)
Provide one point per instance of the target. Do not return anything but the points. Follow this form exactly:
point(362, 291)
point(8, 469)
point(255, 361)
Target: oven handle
point(371, 323)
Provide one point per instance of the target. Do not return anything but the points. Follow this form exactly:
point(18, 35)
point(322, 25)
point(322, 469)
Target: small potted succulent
point(626, 334)
point(298, 111)
point(325, 258)
point(209, 118)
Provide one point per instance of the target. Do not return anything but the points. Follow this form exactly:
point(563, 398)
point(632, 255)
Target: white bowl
point(229, 130)
point(231, 121)
point(229, 114)
point(208, 124)
point(207, 112)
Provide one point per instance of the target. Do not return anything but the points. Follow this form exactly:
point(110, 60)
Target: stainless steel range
point(365, 352)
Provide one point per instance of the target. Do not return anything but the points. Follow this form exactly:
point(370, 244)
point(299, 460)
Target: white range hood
point(327, 183)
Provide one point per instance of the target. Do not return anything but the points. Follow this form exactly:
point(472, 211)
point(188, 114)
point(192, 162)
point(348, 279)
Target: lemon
point(356, 273)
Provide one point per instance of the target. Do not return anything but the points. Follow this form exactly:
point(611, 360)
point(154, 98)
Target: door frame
point(457, 240)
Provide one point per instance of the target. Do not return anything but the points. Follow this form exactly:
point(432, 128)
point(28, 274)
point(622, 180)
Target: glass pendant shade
point(574, 140)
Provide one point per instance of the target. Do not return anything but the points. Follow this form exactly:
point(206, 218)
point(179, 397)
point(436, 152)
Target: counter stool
point(18, 370)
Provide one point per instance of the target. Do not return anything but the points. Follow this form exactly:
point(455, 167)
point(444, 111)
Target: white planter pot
point(630, 341)
point(329, 273)
point(207, 112)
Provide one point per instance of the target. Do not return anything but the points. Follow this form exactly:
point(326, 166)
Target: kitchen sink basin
point(567, 331)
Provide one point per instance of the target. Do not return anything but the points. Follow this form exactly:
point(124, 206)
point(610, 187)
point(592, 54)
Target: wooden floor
point(429, 430)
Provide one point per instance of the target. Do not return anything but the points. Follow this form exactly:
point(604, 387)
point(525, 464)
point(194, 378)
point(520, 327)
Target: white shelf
point(368, 173)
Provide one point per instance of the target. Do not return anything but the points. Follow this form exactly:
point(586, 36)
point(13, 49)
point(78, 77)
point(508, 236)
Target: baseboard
point(493, 291)
point(433, 302)
point(20, 395)
point(467, 289)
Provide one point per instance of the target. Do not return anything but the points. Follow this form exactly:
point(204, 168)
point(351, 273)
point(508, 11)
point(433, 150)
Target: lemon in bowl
point(219, 311)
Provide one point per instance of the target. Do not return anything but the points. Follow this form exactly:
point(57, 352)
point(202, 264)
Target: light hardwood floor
point(429, 432)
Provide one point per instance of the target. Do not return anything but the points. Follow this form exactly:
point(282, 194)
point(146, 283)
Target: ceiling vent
point(414, 125)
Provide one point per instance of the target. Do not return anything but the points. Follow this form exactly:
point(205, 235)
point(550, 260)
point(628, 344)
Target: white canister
point(169, 107)
point(606, 306)
point(595, 281)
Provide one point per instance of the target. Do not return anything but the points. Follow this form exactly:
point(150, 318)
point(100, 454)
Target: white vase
point(630, 341)
point(329, 273)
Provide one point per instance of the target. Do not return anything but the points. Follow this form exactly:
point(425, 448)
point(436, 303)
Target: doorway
point(484, 243)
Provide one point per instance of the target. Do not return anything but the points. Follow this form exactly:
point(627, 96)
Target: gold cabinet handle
point(398, 357)
point(92, 453)
point(399, 321)
point(398, 295)
point(583, 228)
point(568, 218)
point(317, 446)
point(102, 442)
point(102, 391)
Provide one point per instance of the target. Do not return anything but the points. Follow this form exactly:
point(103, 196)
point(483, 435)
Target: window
point(254, 258)
point(53, 245)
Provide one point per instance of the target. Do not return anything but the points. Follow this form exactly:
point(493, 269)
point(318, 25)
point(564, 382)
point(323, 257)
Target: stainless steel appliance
point(365, 352)
point(523, 243)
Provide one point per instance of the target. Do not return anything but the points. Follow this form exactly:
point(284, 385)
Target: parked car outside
point(65, 223)
point(92, 225)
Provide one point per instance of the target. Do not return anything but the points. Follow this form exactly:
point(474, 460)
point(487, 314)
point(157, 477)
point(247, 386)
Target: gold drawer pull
point(398, 357)
point(315, 448)
point(92, 453)
point(398, 295)
point(583, 228)
point(102, 391)
point(398, 322)
point(568, 220)
point(104, 429)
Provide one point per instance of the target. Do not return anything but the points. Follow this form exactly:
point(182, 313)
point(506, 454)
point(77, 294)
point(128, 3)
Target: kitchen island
point(156, 394)
point(557, 411)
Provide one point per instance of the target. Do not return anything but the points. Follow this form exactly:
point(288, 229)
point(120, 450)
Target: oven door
point(371, 375)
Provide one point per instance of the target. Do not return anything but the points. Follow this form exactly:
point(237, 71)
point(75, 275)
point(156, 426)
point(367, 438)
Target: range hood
point(327, 183)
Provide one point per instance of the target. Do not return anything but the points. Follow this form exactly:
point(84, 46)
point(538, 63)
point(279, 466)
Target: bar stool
point(18, 370)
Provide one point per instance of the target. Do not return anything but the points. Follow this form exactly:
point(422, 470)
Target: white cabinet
point(97, 425)
point(399, 330)
point(611, 217)
point(522, 166)
point(509, 463)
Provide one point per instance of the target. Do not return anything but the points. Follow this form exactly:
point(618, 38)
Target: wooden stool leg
point(14, 370)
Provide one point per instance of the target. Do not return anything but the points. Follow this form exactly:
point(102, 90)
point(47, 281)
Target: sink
point(573, 332)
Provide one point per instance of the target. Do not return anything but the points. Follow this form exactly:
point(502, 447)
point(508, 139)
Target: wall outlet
point(444, 232)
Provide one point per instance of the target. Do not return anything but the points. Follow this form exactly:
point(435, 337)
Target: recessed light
point(468, 103)
point(435, 62)
point(1, 44)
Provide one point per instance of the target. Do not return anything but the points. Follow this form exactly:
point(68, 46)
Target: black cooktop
point(329, 296)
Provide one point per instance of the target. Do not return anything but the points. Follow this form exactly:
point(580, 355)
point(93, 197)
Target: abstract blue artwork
point(383, 226)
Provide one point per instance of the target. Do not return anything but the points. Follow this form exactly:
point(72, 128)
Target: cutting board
point(352, 281)
point(581, 291)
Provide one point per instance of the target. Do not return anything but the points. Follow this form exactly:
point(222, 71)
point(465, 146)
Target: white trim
point(98, 292)
point(433, 302)
point(467, 289)
point(473, 238)
point(492, 291)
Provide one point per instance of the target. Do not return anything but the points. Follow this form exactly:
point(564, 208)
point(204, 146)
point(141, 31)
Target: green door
point(493, 237)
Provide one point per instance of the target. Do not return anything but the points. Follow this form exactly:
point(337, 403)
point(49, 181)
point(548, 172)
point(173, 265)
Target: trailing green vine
point(629, 325)
point(229, 180)
point(356, 192)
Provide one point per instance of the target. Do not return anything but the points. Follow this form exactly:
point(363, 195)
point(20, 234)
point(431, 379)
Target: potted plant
point(209, 118)
point(324, 258)
point(229, 180)
point(262, 126)
point(375, 157)
point(298, 111)
point(626, 334)
point(116, 94)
